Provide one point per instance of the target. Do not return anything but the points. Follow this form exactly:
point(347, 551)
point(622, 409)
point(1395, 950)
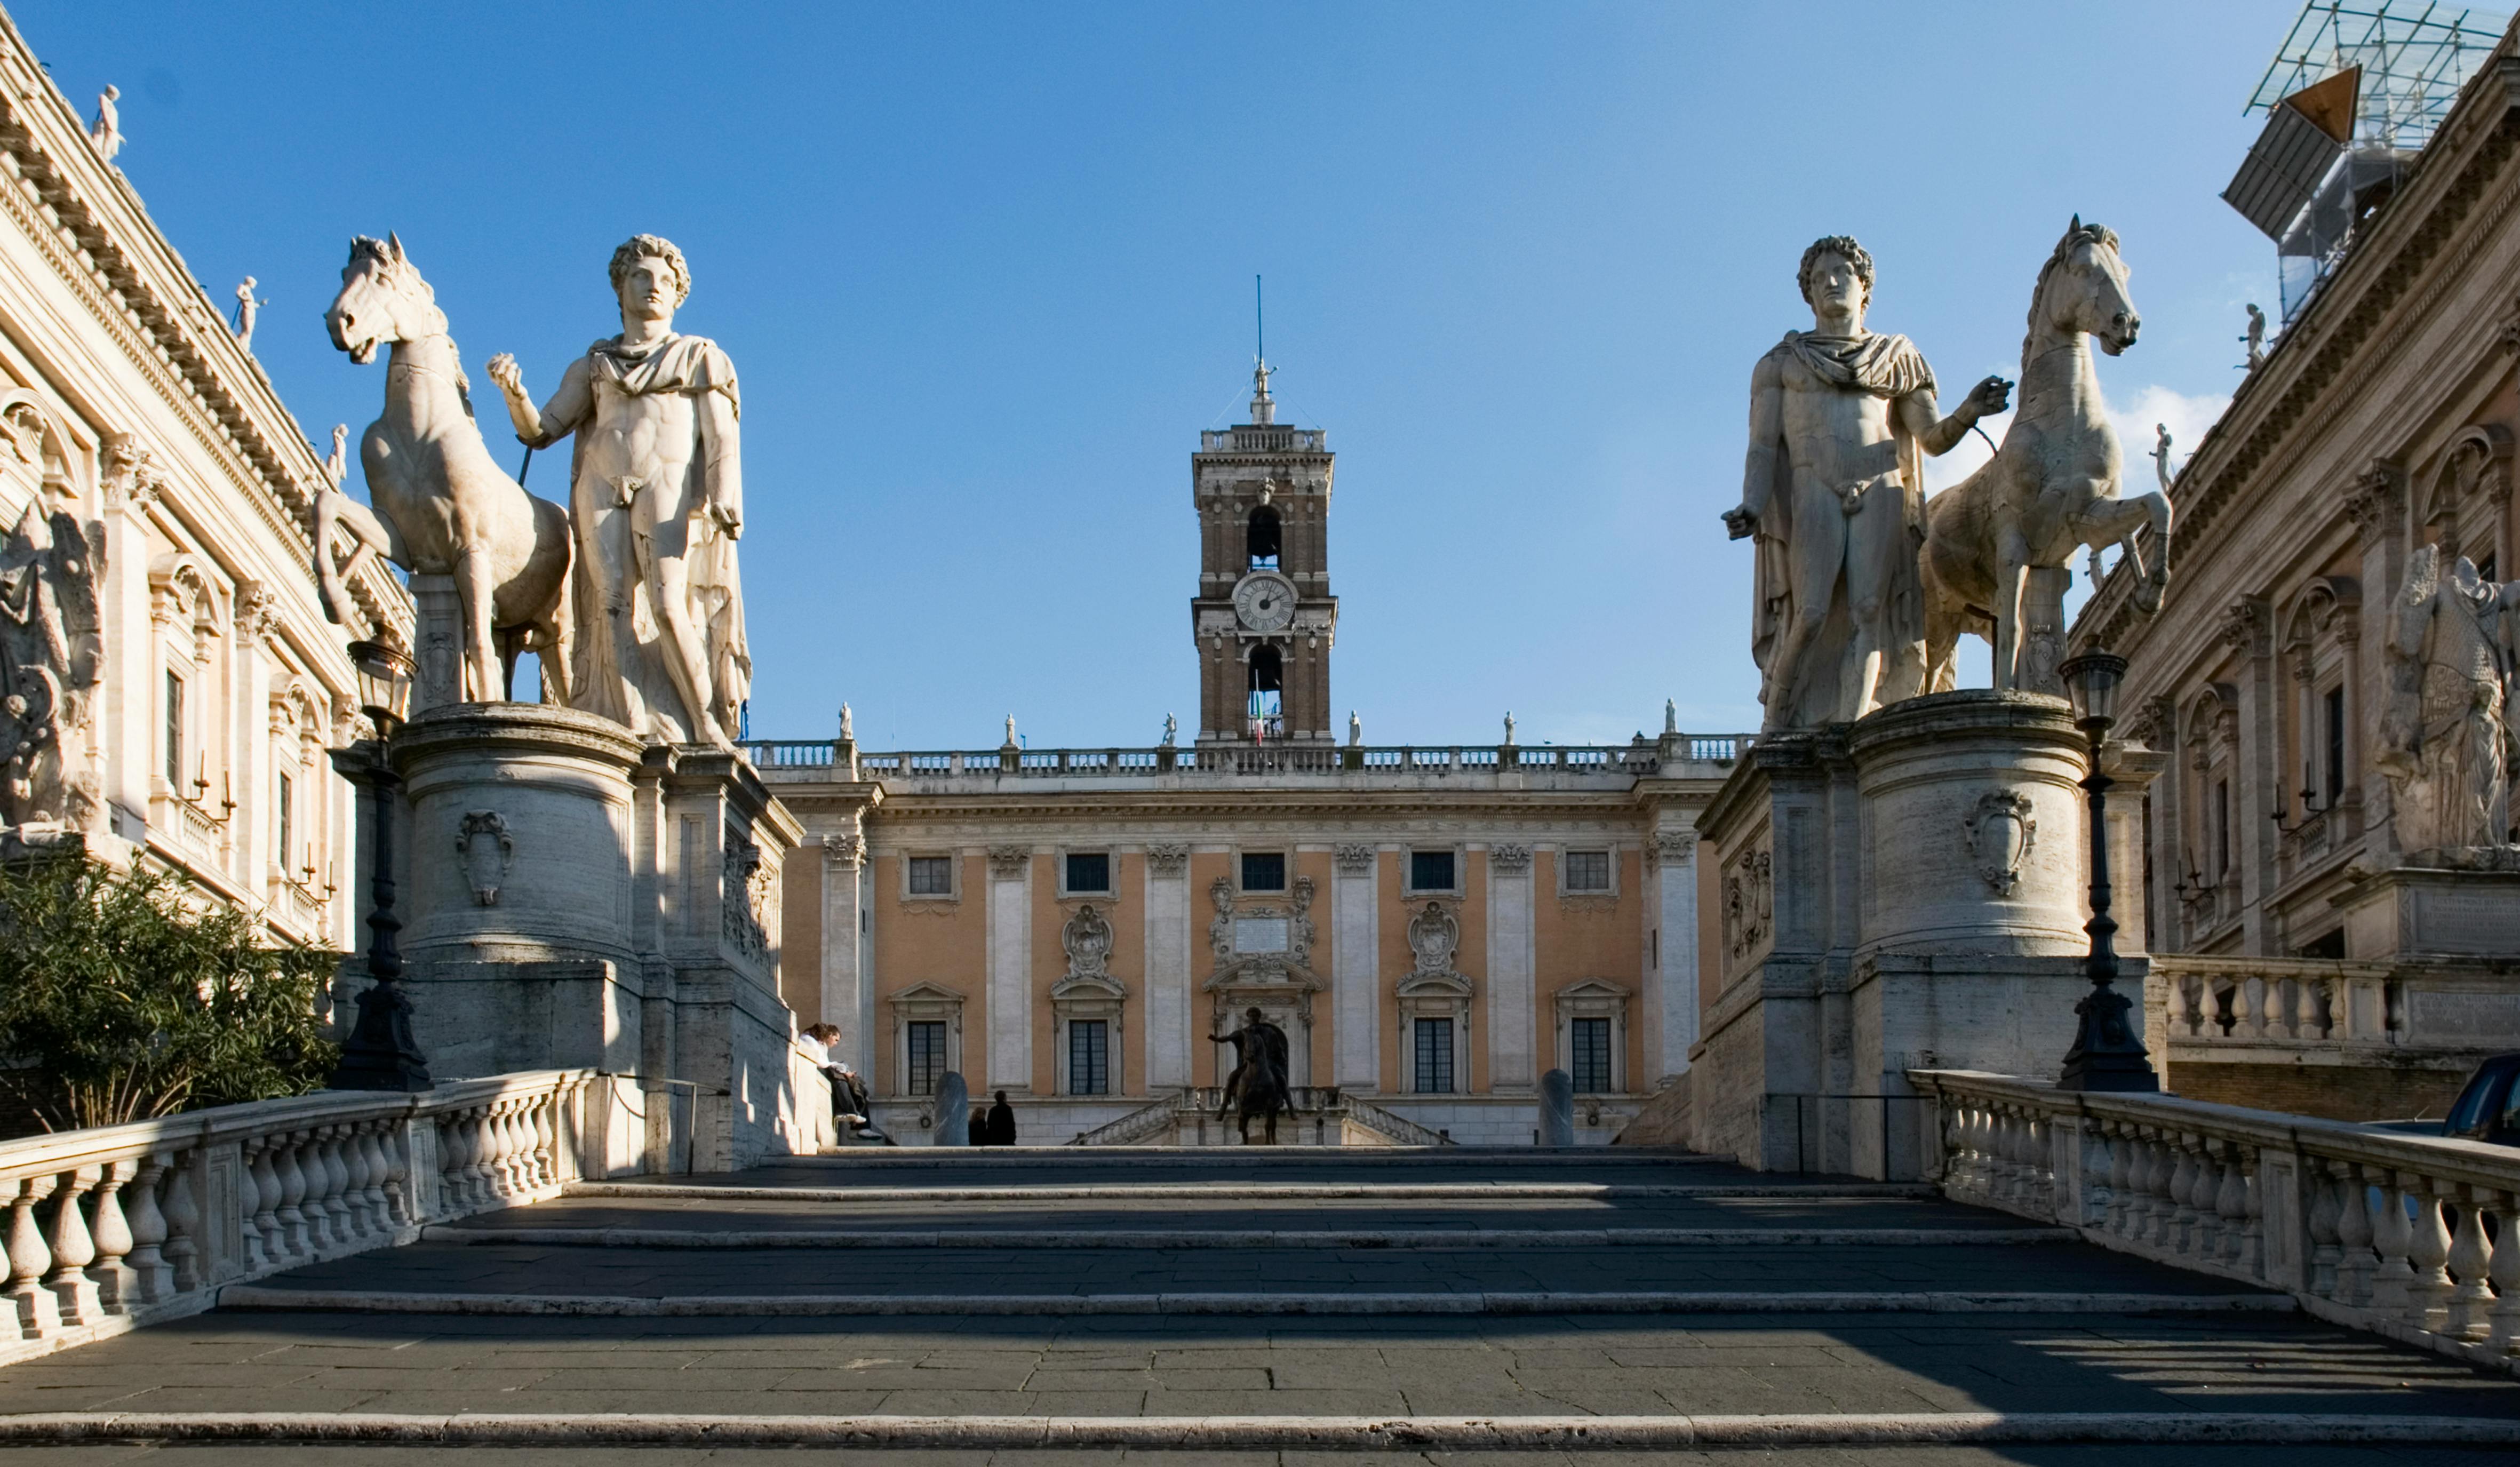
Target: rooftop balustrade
point(1675, 756)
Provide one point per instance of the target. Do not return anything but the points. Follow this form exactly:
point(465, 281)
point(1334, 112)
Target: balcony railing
point(1701, 756)
point(2242, 1001)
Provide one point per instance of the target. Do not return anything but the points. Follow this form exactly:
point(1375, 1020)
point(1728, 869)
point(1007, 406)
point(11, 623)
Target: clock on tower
point(1264, 617)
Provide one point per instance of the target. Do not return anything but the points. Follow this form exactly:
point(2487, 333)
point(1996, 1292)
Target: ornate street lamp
point(380, 1053)
point(2106, 1055)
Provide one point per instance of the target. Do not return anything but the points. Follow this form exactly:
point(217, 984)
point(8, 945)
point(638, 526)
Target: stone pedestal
point(574, 899)
point(2408, 910)
point(1905, 891)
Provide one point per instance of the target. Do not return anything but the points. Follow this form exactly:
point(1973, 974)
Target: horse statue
point(2054, 483)
point(1257, 1086)
point(442, 506)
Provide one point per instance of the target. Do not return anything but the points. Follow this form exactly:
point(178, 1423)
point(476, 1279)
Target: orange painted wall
point(1128, 963)
point(1586, 938)
point(944, 943)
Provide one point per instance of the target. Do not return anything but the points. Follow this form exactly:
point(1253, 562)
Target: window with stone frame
point(1587, 1058)
point(1433, 1067)
point(1587, 871)
point(1264, 871)
point(175, 731)
point(926, 1059)
point(1592, 1029)
point(1435, 871)
point(1087, 872)
point(931, 876)
point(1089, 1057)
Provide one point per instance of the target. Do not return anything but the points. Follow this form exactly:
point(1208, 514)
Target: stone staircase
point(1320, 1115)
point(1387, 1305)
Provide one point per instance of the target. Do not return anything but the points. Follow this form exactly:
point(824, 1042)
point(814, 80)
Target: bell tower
point(1264, 617)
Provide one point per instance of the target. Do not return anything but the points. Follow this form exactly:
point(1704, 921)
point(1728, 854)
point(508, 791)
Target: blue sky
point(986, 271)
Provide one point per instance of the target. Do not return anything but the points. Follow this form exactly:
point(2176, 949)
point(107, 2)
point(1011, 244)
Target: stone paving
point(2132, 1363)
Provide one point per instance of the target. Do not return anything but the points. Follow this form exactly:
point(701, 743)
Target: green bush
point(124, 996)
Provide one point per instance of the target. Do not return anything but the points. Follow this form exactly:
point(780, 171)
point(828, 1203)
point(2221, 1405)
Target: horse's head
point(383, 300)
point(2084, 289)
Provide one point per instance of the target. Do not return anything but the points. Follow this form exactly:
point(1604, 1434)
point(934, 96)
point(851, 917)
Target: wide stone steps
point(1112, 1305)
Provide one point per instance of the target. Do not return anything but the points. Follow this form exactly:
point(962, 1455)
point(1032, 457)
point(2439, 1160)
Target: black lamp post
point(380, 1053)
point(2106, 1055)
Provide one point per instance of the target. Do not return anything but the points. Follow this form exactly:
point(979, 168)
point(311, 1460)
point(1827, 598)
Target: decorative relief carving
point(2375, 497)
point(844, 850)
point(1673, 848)
point(132, 477)
point(257, 612)
point(1010, 861)
point(1510, 859)
point(1299, 927)
point(1353, 860)
point(2001, 834)
point(1167, 860)
point(2246, 626)
point(484, 850)
point(1086, 938)
point(749, 897)
point(1748, 903)
point(1219, 931)
point(52, 661)
point(1434, 935)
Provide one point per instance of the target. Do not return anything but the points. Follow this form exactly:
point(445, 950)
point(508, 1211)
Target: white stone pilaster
point(1168, 971)
point(1010, 969)
point(846, 974)
point(1355, 978)
point(1676, 982)
point(1511, 1065)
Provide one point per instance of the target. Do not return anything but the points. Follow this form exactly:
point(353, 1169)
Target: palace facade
point(1433, 927)
point(2312, 949)
point(177, 688)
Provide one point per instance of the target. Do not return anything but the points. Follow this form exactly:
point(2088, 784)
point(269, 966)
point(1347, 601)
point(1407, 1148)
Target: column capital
point(1167, 860)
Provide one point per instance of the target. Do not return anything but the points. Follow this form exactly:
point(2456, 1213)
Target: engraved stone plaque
point(1254, 934)
point(2462, 1018)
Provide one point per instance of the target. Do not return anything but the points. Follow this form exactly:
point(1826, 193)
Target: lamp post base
point(381, 1053)
point(2106, 1055)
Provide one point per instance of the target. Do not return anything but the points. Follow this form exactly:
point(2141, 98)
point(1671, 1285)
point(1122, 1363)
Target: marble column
point(1168, 969)
point(1511, 1065)
point(1675, 899)
point(846, 996)
point(130, 694)
point(1355, 979)
point(1011, 968)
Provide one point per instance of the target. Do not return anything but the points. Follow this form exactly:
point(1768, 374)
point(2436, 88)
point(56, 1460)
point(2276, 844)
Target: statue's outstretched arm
point(1937, 436)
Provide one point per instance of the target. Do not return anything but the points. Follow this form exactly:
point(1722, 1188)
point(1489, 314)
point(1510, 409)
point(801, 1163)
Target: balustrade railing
point(117, 1226)
point(2245, 1000)
point(1628, 761)
point(2416, 1237)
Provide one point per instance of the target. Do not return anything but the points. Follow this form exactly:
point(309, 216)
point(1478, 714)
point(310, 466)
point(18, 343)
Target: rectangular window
point(2335, 745)
point(1089, 871)
point(2221, 827)
point(175, 731)
point(1587, 871)
point(1434, 1057)
point(927, 1055)
point(1264, 871)
point(281, 798)
point(1089, 1057)
point(931, 876)
point(1589, 1063)
point(1430, 871)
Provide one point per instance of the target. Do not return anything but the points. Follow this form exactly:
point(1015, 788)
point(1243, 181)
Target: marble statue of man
point(2444, 723)
point(248, 308)
point(657, 500)
point(2161, 456)
point(106, 132)
point(1841, 419)
point(2256, 338)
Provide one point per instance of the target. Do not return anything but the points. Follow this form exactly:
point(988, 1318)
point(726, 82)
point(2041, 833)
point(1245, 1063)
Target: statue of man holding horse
point(1841, 419)
point(656, 495)
point(1257, 1085)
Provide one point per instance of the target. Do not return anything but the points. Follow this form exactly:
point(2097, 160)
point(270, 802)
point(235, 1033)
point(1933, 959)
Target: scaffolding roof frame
point(2414, 54)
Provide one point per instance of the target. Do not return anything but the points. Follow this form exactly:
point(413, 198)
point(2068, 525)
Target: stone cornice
point(2402, 270)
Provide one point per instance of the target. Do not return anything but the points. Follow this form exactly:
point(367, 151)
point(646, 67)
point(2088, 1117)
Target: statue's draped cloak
point(627, 689)
point(1889, 367)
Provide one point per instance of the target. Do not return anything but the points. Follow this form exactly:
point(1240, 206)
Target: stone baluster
point(2230, 1204)
point(2183, 1190)
point(2471, 1302)
point(1976, 1145)
point(351, 1159)
point(2325, 1247)
point(296, 1240)
point(2428, 1253)
point(546, 1167)
point(491, 1127)
point(2251, 1001)
point(2113, 1220)
point(152, 1280)
point(336, 1187)
point(74, 1248)
point(2502, 1321)
point(2354, 1241)
point(2323, 1001)
point(401, 1191)
point(375, 1141)
point(2139, 1195)
point(480, 1146)
point(2392, 1234)
point(2253, 1217)
point(39, 1314)
point(265, 1246)
point(2204, 1182)
point(509, 1170)
point(183, 1247)
point(112, 1231)
point(454, 1185)
point(2191, 1005)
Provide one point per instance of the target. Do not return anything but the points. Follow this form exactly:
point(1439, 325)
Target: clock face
point(1265, 603)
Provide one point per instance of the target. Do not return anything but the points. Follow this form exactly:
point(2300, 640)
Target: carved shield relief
point(2001, 834)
